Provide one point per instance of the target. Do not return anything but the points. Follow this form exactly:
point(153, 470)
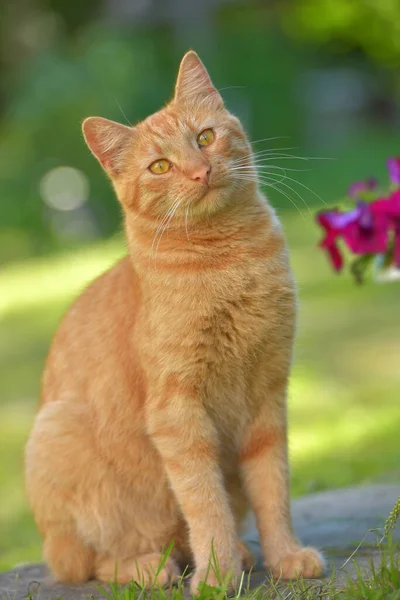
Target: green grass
point(374, 580)
point(343, 404)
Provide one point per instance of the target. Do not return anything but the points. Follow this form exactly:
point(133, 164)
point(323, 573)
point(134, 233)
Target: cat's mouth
point(208, 190)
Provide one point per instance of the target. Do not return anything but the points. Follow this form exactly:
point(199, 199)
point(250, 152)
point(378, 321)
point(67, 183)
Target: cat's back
point(92, 342)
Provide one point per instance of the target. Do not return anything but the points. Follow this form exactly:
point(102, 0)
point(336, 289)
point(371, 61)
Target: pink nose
point(201, 174)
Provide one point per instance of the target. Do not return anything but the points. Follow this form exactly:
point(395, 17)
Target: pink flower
point(390, 207)
point(396, 250)
point(359, 187)
point(394, 170)
point(368, 233)
point(334, 222)
point(334, 253)
point(369, 228)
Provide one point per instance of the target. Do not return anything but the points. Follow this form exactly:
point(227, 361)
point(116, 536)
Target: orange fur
point(163, 402)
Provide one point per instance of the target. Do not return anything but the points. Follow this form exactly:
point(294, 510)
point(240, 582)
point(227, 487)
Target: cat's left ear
point(194, 83)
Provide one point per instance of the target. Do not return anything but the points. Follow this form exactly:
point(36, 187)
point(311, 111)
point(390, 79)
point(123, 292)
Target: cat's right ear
point(194, 84)
point(108, 141)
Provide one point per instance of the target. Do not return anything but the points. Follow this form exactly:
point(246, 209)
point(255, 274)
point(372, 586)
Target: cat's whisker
point(158, 229)
point(260, 166)
point(154, 247)
point(122, 112)
point(266, 167)
point(281, 182)
point(265, 172)
point(278, 137)
point(250, 162)
point(257, 174)
point(268, 155)
point(273, 184)
point(308, 189)
point(232, 87)
point(280, 151)
point(267, 175)
point(186, 222)
point(275, 152)
point(171, 216)
point(260, 160)
point(160, 226)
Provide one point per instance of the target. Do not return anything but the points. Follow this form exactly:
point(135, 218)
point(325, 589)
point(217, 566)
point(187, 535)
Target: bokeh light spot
point(64, 188)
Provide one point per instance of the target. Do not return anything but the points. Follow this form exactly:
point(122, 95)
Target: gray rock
point(339, 518)
point(335, 521)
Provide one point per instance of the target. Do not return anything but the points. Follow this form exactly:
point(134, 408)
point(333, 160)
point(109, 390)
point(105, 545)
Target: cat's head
point(182, 156)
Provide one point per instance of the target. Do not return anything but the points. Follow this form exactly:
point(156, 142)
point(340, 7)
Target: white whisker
point(259, 167)
point(275, 152)
point(159, 228)
point(292, 190)
point(278, 137)
point(274, 155)
point(308, 189)
point(271, 185)
point(171, 216)
point(186, 222)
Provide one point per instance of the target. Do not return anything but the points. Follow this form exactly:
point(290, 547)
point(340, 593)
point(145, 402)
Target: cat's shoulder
point(118, 277)
point(112, 292)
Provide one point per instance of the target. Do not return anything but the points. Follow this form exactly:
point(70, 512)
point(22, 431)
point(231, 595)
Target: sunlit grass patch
point(45, 280)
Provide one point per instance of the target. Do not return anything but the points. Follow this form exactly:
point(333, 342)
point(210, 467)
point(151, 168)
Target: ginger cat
point(163, 405)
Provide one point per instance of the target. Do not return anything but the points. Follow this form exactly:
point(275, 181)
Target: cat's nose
point(201, 174)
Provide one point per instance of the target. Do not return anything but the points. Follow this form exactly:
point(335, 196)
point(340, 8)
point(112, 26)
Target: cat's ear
point(194, 83)
point(108, 141)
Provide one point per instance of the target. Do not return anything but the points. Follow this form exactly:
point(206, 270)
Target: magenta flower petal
point(369, 234)
point(367, 230)
point(396, 250)
point(388, 206)
point(394, 170)
point(335, 256)
point(333, 251)
point(334, 220)
point(358, 187)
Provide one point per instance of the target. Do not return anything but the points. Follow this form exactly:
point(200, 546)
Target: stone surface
point(339, 518)
point(335, 522)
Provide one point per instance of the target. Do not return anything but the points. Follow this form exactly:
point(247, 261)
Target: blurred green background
point(322, 73)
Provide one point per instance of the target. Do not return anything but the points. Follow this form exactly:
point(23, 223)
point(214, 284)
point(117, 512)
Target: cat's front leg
point(264, 468)
point(187, 441)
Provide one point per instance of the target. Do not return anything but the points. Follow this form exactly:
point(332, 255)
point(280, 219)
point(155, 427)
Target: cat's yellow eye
point(160, 166)
point(205, 137)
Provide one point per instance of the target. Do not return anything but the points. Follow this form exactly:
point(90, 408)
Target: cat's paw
point(246, 556)
point(147, 571)
point(209, 577)
point(304, 562)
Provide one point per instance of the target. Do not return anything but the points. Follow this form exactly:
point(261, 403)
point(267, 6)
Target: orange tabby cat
point(163, 406)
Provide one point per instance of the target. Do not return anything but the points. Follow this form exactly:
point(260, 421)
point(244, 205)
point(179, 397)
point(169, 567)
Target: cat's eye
point(205, 137)
point(158, 167)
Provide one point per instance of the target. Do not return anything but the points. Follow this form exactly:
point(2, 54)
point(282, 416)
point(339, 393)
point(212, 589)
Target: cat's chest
point(218, 316)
